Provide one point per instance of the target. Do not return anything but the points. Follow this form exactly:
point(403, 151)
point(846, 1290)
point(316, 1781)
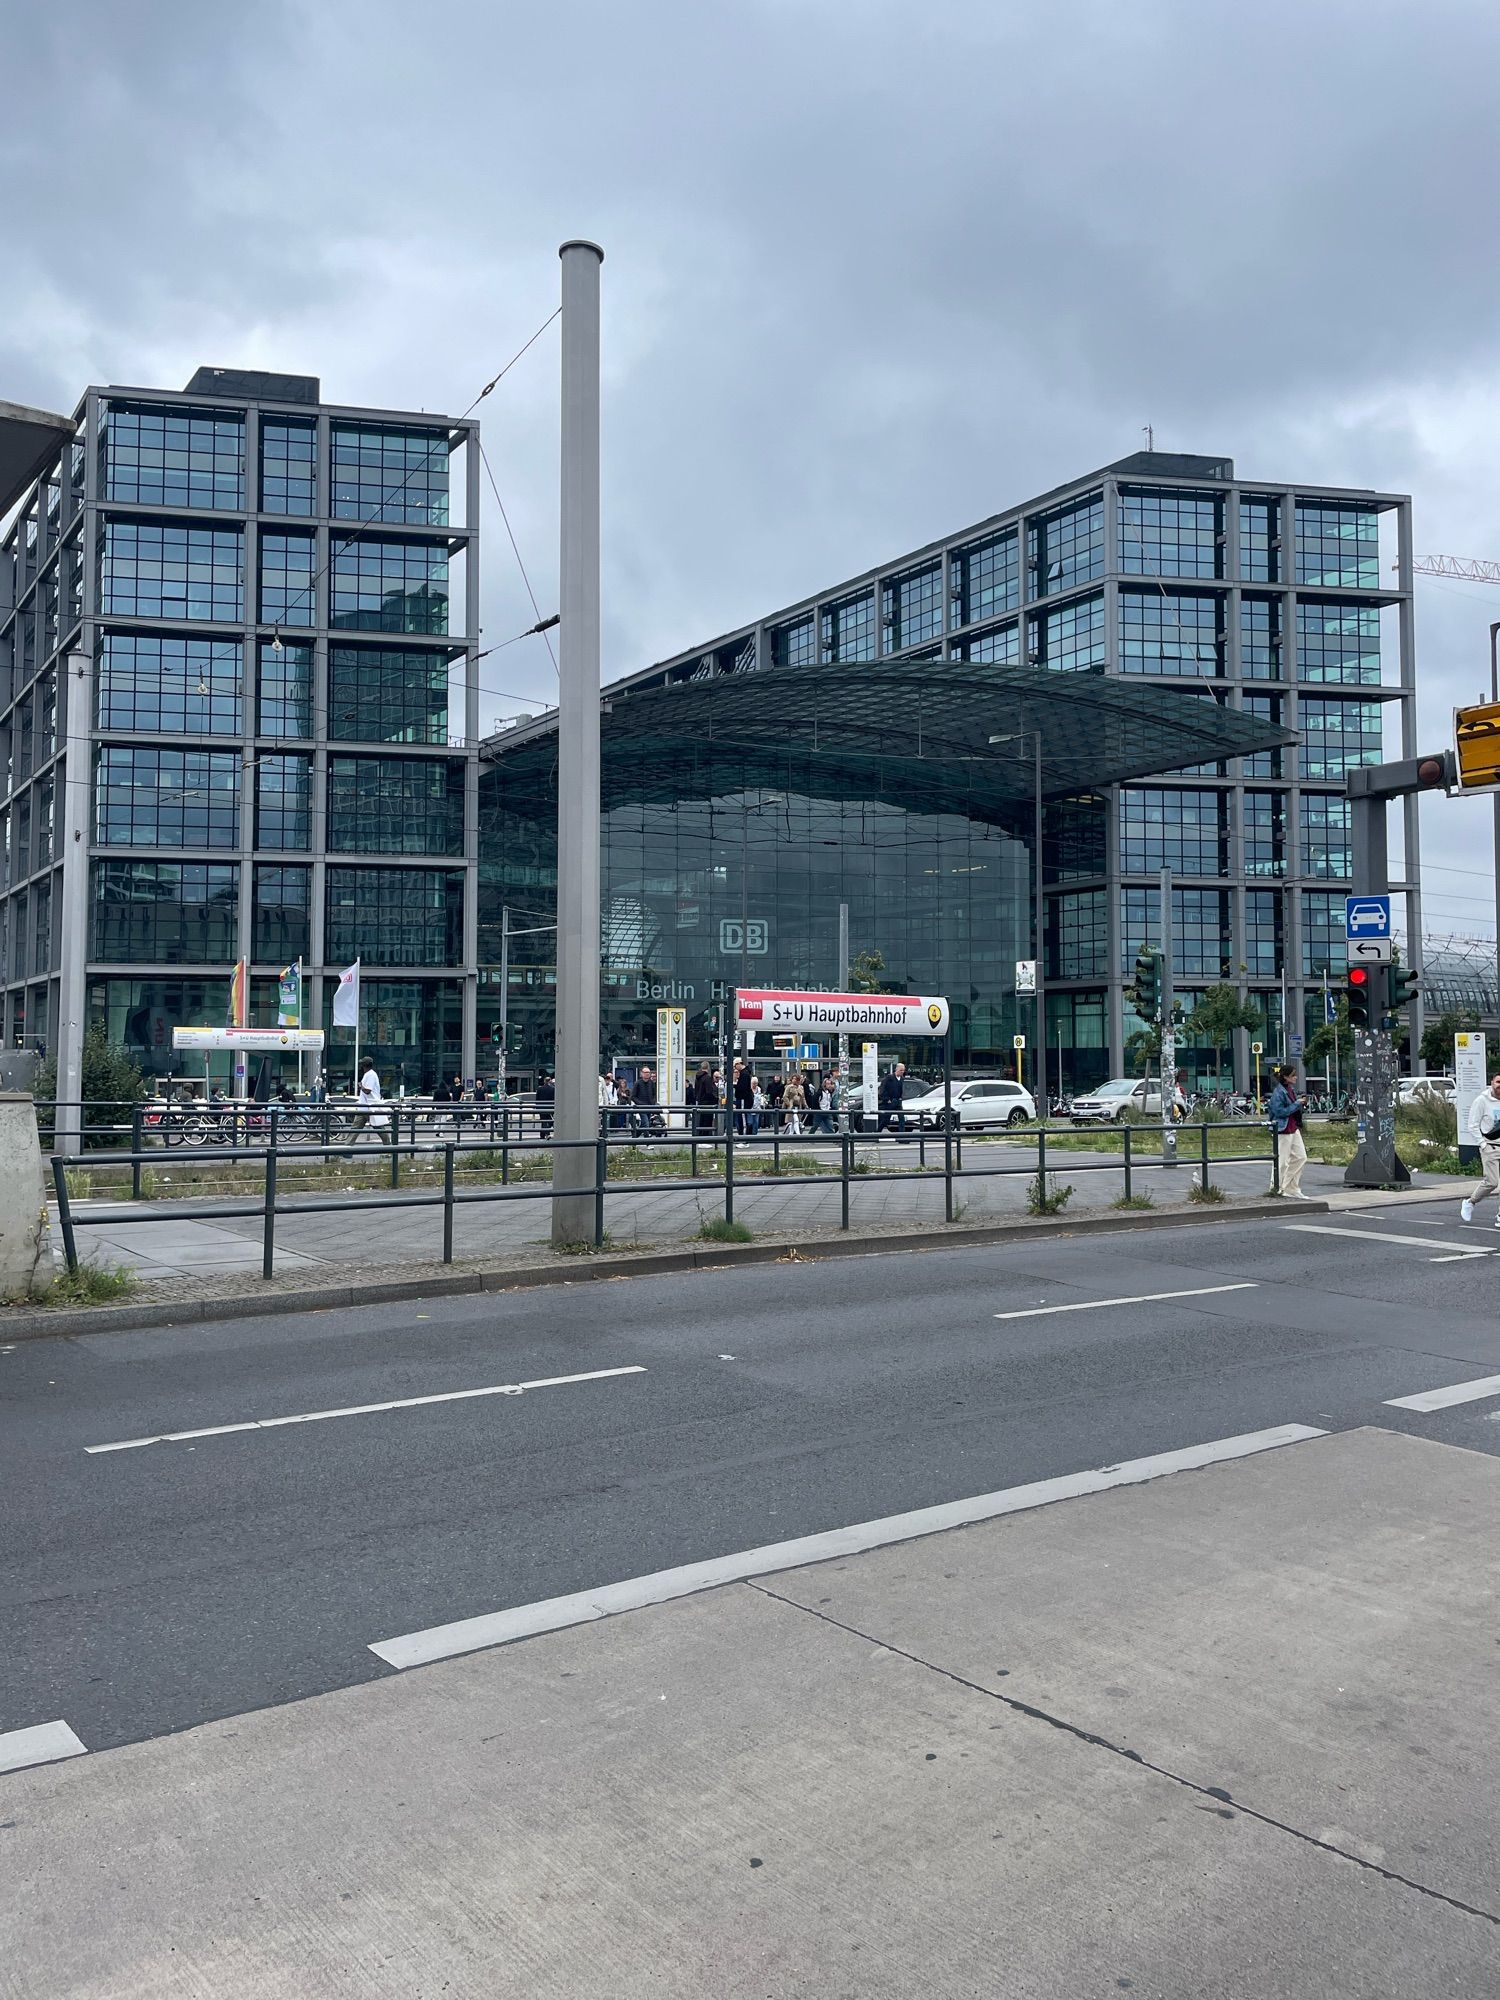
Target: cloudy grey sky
point(874, 270)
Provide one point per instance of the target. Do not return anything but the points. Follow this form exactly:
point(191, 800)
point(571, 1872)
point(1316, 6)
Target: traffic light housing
point(1145, 994)
point(1360, 987)
point(1404, 987)
point(497, 1033)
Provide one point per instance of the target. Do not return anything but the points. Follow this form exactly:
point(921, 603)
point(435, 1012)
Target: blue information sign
point(1367, 917)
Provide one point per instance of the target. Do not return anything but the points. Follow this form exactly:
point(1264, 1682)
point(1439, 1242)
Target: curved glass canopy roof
point(939, 736)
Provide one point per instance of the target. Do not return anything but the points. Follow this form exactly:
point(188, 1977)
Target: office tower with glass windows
point(240, 623)
point(1288, 602)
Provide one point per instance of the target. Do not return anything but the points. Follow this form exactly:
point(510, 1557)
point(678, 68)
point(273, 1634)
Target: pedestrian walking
point(744, 1097)
point(371, 1112)
point(645, 1117)
point(1286, 1110)
point(1484, 1130)
point(889, 1098)
point(706, 1097)
point(546, 1097)
point(793, 1104)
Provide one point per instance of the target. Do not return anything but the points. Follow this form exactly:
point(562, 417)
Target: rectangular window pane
point(167, 798)
point(1066, 546)
point(395, 916)
point(1170, 632)
point(379, 694)
point(1186, 831)
point(283, 902)
point(395, 805)
point(1260, 534)
point(1326, 837)
point(1071, 638)
point(167, 569)
point(383, 473)
point(793, 644)
point(848, 628)
point(1338, 642)
point(1338, 545)
point(1001, 643)
point(1260, 638)
point(288, 464)
point(1323, 943)
point(1337, 736)
point(161, 455)
point(1263, 946)
point(171, 910)
point(1171, 534)
point(1078, 935)
point(390, 587)
point(285, 689)
point(158, 681)
point(1265, 833)
point(283, 802)
point(1201, 947)
point(288, 565)
point(911, 608)
point(1264, 763)
point(985, 578)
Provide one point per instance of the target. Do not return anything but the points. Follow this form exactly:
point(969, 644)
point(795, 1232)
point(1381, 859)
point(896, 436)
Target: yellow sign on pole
point(1476, 745)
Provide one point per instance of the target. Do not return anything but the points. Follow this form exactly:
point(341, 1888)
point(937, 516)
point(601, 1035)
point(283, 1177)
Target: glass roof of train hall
point(943, 736)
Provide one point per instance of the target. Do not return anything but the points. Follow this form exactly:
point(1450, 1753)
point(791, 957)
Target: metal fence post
point(601, 1175)
point(1041, 1168)
point(64, 1211)
point(1126, 1130)
point(947, 1171)
point(447, 1201)
point(1275, 1161)
point(728, 1166)
point(135, 1147)
point(268, 1238)
point(846, 1149)
point(396, 1151)
point(1203, 1129)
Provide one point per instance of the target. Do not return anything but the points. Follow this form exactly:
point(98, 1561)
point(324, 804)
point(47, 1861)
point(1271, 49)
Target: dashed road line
point(1444, 1399)
point(1135, 1299)
point(45, 1743)
point(1385, 1236)
point(554, 1614)
point(368, 1409)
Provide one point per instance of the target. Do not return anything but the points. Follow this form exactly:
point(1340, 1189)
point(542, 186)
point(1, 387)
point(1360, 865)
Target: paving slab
point(1312, 1631)
point(734, 1795)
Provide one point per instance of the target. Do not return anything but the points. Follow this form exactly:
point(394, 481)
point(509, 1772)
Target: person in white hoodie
point(1484, 1130)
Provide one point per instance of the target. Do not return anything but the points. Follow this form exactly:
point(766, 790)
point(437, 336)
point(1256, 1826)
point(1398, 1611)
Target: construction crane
point(1468, 567)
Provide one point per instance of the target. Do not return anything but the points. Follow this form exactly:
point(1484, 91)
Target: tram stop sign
point(1476, 746)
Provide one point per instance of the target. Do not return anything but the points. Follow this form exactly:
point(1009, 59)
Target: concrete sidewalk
point(1231, 1732)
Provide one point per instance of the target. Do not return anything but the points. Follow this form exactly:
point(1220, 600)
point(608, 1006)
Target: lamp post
point(1495, 696)
point(1038, 916)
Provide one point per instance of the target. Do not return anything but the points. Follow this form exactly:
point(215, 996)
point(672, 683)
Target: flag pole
point(300, 1025)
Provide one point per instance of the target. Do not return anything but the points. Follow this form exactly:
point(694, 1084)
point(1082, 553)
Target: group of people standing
point(804, 1101)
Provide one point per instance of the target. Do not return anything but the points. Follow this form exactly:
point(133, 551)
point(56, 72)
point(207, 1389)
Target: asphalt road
point(145, 1590)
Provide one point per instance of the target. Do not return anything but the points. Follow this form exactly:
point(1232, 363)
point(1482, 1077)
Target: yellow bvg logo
point(934, 1012)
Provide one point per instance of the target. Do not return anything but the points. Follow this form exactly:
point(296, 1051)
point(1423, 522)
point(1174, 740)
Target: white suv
point(1120, 1098)
point(977, 1102)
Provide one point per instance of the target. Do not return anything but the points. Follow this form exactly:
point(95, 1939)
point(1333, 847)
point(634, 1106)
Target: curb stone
point(54, 1323)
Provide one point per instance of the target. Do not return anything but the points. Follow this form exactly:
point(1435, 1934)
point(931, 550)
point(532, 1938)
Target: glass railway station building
point(1201, 659)
point(241, 624)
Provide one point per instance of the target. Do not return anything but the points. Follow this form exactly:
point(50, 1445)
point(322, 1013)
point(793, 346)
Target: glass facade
point(1338, 642)
point(911, 607)
point(166, 798)
point(282, 929)
point(1337, 736)
point(1202, 943)
point(1260, 539)
point(165, 684)
point(1264, 957)
point(395, 805)
point(169, 569)
point(1170, 632)
point(384, 473)
point(411, 1029)
point(390, 587)
point(1000, 642)
point(138, 1015)
point(848, 628)
point(394, 916)
point(288, 566)
point(1338, 545)
point(283, 802)
point(985, 578)
point(1171, 534)
point(1186, 831)
point(1326, 836)
point(1070, 639)
point(1265, 833)
point(794, 644)
point(1323, 947)
point(162, 457)
point(1066, 546)
point(387, 695)
point(1078, 935)
point(185, 912)
point(1260, 638)
point(288, 466)
point(285, 707)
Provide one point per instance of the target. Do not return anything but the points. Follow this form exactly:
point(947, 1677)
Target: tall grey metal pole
point(1494, 696)
point(72, 985)
point(576, 1116)
point(1168, 1032)
point(1039, 1063)
point(844, 1039)
point(504, 999)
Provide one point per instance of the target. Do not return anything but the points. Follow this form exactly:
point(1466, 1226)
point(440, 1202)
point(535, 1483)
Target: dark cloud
point(873, 270)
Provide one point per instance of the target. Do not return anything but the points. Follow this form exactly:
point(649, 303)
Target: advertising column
point(1469, 1079)
point(671, 1061)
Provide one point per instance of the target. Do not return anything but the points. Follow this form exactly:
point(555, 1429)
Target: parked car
point(1122, 1097)
point(977, 1102)
point(863, 1117)
point(1425, 1090)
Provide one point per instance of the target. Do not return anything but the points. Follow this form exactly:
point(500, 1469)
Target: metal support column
point(576, 1118)
point(74, 845)
point(1168, 1034)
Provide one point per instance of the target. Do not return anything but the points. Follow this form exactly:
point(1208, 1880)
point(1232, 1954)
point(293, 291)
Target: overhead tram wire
point(516, 550)
point(352, 535)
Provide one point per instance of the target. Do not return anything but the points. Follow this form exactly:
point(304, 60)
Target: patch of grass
point(1042, 1200)
point(80, 1183)
point(1206, 1191)
point(717, 1230)
point(89, 1285)
point(1134, 1201)
point(584, 1246)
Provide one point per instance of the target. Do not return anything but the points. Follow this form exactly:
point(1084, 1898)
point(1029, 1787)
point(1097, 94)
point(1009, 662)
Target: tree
point(866, 972)
point(110, 1078)
point(1219, 1012)
point(1143, 1050)
point(1334, 1035)
point(1437, 1037)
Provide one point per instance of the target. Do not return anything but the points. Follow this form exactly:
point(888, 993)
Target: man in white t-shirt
point(372, 1111)
point(1484, 1132)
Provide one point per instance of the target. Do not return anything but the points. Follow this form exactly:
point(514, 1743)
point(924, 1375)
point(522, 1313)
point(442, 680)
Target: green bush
point(111, 1080)
point(1041, 1201)
point(717, 1230)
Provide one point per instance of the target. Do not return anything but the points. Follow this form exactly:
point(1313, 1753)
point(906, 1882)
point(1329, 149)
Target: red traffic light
point(1359, 975)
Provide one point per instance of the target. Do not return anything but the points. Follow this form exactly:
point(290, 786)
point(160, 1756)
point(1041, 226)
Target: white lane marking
point(553, 1614)
point(1444, 1399)
point(1136, 1299)
point(368, 1409)
point(47, 1743)
point(1384, 1236)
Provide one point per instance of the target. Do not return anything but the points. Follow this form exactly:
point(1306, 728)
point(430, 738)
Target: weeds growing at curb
point(89, 1285)
point(717, 1230)
point(1040, 1200)
point(1133, 1201)
point(1205, 1191)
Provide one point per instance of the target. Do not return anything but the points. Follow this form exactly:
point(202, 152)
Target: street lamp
point(1495, 696)
point(1039, 1066)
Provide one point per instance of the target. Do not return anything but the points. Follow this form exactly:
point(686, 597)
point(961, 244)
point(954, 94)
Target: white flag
point(346, 1000)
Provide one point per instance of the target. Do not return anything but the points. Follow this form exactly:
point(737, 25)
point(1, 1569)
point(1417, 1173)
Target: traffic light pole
point(1376, 1162)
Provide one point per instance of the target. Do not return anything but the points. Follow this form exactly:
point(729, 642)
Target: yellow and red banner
point(238, 1015)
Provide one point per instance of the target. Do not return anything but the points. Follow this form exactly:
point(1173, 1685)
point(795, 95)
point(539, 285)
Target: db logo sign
point(753, 935)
